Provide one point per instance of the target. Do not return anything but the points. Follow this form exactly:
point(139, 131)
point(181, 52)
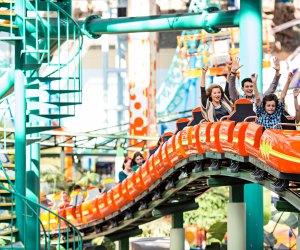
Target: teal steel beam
point(32, 193)
point(225, 181)
point(125, 234)
point(284, 206)
point(175, 207)
point(251, 49)
point(20, 134)
point(212, 22)
point(20, 151)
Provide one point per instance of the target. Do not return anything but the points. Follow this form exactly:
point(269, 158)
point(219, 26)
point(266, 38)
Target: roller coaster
point(187, 164)
point(198, 156)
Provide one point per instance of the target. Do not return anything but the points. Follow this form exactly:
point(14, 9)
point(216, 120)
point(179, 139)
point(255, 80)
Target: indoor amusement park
point(149, 124)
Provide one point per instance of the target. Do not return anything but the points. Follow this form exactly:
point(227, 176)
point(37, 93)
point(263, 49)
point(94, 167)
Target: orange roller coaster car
point(277, 151)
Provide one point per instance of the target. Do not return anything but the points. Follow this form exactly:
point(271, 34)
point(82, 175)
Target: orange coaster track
point(185, 166)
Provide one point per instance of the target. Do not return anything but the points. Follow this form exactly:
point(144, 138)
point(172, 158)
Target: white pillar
point(177, 239)
point(236, 226)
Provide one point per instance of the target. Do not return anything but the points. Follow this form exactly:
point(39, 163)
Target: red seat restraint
point(134, 185)
point(152, 170)
point(121, 195)
point(238, 140)
point(280, 150)
point(175, 155)
point(252, 139)
point(196, 143)
point(89, 207)
point(226, 135)
point(102, 205)
point(165, 154)
point(184, 143)
point(146, 175)
point(213, 143)
point(204, 135)
point(158, 162)
point(107, 205)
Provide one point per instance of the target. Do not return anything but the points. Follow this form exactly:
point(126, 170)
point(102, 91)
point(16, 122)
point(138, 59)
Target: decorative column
point(251, 58)
point(177, 236)
point(236, 217)
point(142, 74)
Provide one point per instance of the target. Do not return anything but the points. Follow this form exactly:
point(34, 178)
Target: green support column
point(32, 192)
point(20, 152)
point(251, 39)
point(251, 58)
point(236, 226)
point(124, 244)
point(177, 236)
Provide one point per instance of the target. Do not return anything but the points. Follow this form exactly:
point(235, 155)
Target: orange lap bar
point(173, 157)
point(204, 135)
point(134, 184)
point(107, 204)
point(252, 139)
point(167, 164)
point(90, 210)
point(238, 140)
point(182, 140)
point(102, 204)
point(147, 178)
point(121, 195)
point(196, 143)
point(74, 215)
point(157, 162)
point(213, 143)
point(280, 149)
point(226, 134)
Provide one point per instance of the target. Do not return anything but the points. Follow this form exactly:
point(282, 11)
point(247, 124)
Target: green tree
point(212, 208)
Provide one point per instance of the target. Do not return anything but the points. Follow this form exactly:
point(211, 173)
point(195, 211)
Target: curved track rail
point(191, 177)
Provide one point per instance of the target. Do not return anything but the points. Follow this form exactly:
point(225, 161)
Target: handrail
point(14, 188)
point(251, 117)
point(28, 3)
point(40, 206)
point(80, 36)
point(285, 124)
point(225, 117)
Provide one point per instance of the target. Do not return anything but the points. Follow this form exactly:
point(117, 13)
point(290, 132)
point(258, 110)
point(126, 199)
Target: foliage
point(2, 242)
point(217, 231)
point(157, 228)
point(52, 175)
point(104, 241)
point(212, 208)
point(267, 206)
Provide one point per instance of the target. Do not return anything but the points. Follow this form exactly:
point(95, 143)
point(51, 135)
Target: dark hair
point(270, 97)
point(214, 86)
point(136, 155)
point(246, 80)
point(125, 161)
point(76, 187)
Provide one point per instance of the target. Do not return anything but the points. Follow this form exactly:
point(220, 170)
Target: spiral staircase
point(46, 69)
